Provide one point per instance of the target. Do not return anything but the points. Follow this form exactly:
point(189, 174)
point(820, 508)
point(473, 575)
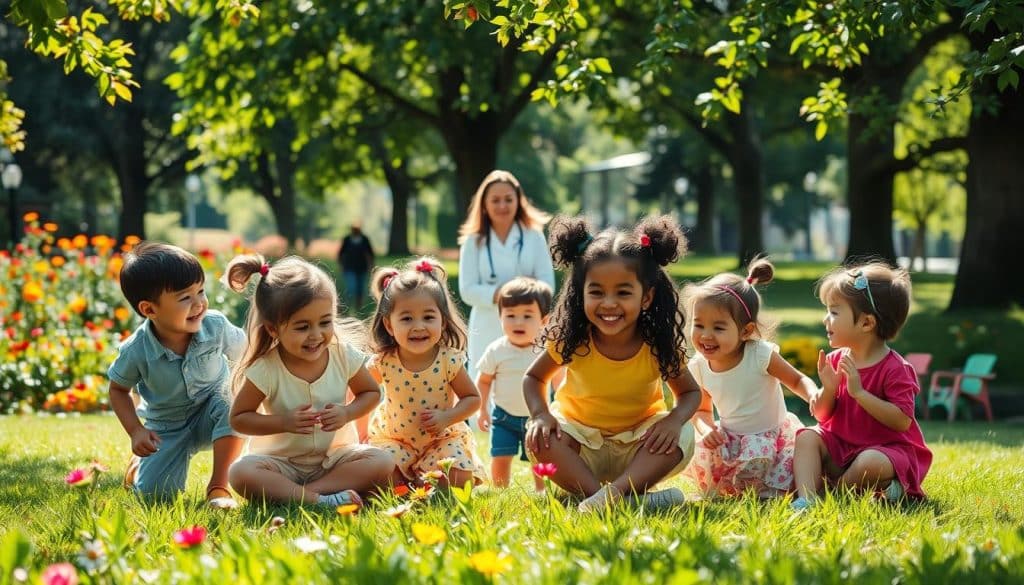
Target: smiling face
point(501, 202)
point(307, 333)
point(613, 298)
point(716, 335)
point(415, 322)
point(177, 312)
point(522, 323)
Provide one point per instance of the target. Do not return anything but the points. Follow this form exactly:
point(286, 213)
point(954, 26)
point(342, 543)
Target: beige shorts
point(304, 473)
point(607, 456)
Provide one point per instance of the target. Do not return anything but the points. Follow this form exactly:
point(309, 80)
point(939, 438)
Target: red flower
point(545, 469)
point(190, 537)
point(78, 477)
point(36, 332)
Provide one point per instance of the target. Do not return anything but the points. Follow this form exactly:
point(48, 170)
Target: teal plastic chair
point(971, 383)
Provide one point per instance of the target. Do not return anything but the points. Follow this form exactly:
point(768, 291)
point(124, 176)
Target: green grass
point(970, 530)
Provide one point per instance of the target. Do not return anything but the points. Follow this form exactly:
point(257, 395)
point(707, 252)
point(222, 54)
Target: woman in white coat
point(501, 239)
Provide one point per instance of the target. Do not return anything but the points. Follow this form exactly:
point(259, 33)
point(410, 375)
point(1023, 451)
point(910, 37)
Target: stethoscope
point(490, 259)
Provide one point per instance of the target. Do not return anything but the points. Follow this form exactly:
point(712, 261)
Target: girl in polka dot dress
point(418, 339)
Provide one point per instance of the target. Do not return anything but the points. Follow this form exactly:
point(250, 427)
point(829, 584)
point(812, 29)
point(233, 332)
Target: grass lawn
point(971, 530)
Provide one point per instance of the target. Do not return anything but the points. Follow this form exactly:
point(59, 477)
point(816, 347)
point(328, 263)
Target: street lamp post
point(192, 186)
point(10, 176)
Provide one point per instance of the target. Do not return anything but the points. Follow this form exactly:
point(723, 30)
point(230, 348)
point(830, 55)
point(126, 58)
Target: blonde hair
point(477, 221)
point(737, 295)
point(281, 291)
point(424, 274)
point(889, 287)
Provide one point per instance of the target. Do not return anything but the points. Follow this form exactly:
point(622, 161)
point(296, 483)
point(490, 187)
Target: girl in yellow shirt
point(618, 330)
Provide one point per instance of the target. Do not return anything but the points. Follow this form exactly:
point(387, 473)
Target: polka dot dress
point(395, 424)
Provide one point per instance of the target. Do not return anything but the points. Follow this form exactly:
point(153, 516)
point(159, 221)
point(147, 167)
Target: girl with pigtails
point(618, 330)
point(751, 445)
point(418, 339)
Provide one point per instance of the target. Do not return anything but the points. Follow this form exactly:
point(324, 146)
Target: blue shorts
point(508, 434)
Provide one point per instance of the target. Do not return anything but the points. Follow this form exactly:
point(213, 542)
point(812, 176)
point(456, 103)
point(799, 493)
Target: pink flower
point(78, 478)
point(545, 469)
point(190, 537)
point(60, 574)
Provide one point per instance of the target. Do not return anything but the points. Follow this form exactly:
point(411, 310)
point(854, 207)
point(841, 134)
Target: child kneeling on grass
point(867, 437)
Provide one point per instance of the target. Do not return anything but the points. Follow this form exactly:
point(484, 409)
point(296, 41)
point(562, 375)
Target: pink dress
point(851, 430)
point(760, 433)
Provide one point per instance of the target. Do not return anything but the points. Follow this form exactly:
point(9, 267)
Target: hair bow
point(264, 269)
point(425, 266)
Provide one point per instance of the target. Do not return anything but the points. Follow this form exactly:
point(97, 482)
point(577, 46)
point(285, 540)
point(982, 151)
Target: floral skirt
point(762, 462)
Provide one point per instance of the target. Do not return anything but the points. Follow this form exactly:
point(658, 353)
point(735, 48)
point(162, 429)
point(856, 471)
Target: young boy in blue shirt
point(178, 362)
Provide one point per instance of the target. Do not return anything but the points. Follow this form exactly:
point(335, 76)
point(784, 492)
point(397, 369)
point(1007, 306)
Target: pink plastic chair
point(921, 363)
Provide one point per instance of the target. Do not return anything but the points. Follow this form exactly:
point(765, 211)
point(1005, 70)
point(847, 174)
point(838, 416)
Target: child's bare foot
point(219, 498)
point(131, 472)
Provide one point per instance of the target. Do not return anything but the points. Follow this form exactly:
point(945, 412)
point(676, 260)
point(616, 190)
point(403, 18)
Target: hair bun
point(380, 280)
point(241, 269)
point(760, 271)
point(666, 240)
point(568, 238)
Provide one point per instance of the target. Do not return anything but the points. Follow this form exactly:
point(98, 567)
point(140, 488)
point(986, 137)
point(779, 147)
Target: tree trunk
point(993, 239)
point(870, 156)
point(401, 186)
point(130, 168)
point(703, 239)
point(920, 249)
point(278, 192)
point(748, 176)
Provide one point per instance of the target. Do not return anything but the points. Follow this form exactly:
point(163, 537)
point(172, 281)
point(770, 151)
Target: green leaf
point(122, 91)
point(1007, 78)
point(55, 9)
point(820, 130)
point(603, 65)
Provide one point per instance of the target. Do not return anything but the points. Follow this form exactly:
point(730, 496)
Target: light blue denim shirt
point(172, 385)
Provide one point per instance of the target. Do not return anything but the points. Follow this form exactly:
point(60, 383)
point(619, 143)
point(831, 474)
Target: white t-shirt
point(508, 363)
point(747, 399)
point(285, 392)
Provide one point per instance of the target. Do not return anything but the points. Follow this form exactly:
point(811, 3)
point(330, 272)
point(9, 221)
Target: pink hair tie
point(387, 279)
point(738, 298)
point(751, 280)
point(264, 269)
point(645, 241)
point(425, 266)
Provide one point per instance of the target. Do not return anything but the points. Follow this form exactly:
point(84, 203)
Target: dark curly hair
point(653, 244)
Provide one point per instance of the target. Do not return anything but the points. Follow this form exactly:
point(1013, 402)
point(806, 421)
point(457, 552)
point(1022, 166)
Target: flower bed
point(62, 317)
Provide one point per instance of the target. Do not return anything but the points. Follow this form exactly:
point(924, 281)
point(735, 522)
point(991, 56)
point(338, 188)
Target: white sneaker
point(605, 496)
point(662, 500)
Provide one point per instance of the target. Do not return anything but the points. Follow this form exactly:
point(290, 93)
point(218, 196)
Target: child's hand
point(663, 436)
point(302, 420)
point(826, 373)
point(714, 439)
point(145, 442)
point(849, 369)
point(484, 420)
point(435, 420)
point(333, 417)
point(541, 429)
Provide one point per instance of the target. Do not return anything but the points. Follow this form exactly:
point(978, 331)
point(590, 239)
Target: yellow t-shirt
point(606, 394)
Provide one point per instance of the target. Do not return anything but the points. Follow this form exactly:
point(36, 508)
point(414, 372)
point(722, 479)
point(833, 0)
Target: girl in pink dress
point(750, 447)
point(867, 437)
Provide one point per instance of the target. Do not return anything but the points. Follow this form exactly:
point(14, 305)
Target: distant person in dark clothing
point(356, 260)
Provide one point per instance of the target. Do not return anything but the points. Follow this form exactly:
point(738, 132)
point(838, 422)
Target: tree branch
point(509, 113)
point(403, 103)
point(715, 139)
point(916, 155)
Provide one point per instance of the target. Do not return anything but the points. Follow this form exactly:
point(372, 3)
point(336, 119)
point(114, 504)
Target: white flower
point(149, 576)
point(308, 545)
point(93, 556)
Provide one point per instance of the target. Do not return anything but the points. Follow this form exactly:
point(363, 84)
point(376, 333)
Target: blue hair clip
point(583, 245)
point(860, 282)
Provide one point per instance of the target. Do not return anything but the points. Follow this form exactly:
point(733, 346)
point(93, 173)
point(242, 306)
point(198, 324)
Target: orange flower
point(114, 266)
point(121, 314)
point(50, 226)
point(57, 261)
point(64, 244)
point(77, 305)
point(32, 292)
point(30, 217)
point(132, 240)
point(348, 509)
point(102, 242)
point(80, 241)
